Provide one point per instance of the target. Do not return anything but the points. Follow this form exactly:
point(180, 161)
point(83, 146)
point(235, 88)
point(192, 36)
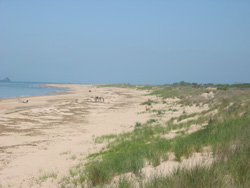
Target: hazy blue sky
point(128, 41)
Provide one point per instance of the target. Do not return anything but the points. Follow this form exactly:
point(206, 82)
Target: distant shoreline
point(29, 89)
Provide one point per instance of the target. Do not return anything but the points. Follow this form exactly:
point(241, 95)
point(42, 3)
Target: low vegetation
point(149, 102)
point(225, 132)
point(45, 176)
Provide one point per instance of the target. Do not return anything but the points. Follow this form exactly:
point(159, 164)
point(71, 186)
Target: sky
point(125, 41)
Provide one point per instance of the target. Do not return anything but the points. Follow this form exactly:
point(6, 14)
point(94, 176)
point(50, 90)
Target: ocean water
point(23, 89)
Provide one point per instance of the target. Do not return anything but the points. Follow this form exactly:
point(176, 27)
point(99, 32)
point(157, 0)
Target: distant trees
point(182, 83)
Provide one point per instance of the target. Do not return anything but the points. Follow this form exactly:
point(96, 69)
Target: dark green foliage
point(182, 83)
point(138, 125)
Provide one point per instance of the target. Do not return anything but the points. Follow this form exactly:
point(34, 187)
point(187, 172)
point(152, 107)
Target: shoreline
point(44, 134)
point(64, 90)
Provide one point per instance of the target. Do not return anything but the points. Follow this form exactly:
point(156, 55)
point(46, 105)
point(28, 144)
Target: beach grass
point(225, 132)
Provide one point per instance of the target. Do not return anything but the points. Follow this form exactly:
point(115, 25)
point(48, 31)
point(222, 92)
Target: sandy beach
point(50, 134)
point(44, 140)
point(167, 104)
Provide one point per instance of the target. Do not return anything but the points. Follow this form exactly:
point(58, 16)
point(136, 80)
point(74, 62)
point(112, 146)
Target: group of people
point(25, 101)
point(99, 99)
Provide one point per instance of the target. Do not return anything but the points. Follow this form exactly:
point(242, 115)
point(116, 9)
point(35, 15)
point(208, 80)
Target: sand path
point(52, 133)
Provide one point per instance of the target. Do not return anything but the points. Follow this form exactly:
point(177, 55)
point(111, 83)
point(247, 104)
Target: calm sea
point(23, 89)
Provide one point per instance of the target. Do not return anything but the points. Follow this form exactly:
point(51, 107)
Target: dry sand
point(52, 133)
